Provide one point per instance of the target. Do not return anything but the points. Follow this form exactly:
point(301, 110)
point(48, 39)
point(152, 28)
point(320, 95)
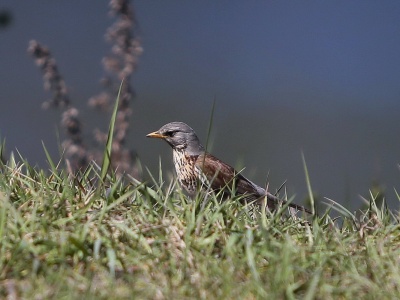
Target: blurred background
point(287, 77)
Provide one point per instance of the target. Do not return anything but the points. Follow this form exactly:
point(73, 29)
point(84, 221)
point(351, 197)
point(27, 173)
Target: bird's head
point(179, 136)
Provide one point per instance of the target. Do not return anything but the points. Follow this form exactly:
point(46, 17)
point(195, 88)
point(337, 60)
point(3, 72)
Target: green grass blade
point(308, 182)
point(2, 150)
point(112, 260)
point(49, 160)
point(210, 123)
point(107, 151)
point(3, 213)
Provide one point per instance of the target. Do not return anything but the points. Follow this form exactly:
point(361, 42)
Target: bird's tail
point(274, 202)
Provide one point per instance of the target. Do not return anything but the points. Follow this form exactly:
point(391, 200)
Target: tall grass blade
point(49, 160)
point(308, 182)
point(107, 151)
point(210, 123)
point(3, 213)
point(2, 151)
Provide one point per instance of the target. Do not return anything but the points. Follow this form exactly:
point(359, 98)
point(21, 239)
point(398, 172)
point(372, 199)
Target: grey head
point(179, 136)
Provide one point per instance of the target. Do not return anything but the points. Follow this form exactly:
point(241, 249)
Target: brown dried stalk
point(120, 65)
point(53, 81)
point(75, 150)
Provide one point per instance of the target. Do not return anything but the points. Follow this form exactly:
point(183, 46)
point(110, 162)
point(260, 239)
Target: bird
point(196, 168)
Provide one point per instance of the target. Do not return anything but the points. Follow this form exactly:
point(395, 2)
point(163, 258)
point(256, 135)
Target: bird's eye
point(170, 133)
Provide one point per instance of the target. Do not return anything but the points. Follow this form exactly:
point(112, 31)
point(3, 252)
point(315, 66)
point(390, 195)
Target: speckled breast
point(186, 170)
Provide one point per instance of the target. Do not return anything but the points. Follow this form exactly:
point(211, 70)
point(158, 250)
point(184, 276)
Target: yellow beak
point(155, 134)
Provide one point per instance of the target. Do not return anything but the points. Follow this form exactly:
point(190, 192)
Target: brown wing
point(223, 176)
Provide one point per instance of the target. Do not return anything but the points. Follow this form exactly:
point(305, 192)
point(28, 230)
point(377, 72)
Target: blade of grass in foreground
point(2, 150)
point(107, 151)
point(310, 193)
point(210, 123)
point(49, 160)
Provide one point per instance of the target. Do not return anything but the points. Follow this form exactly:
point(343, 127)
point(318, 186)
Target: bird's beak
point(156, 134)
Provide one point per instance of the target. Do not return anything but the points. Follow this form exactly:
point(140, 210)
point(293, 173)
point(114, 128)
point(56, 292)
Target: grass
point(65, 237)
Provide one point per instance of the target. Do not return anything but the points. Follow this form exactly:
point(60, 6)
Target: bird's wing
point(222, 176)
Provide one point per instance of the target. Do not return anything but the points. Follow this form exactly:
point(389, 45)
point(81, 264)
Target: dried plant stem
point(120, 65)
point(75, 150)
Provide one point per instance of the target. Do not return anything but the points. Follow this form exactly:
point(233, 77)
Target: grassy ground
point(72, 238)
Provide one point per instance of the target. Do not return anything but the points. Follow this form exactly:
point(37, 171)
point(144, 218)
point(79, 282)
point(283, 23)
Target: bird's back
point(224, 177)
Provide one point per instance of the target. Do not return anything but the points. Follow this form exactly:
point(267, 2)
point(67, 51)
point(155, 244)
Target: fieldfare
point(197, 168)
